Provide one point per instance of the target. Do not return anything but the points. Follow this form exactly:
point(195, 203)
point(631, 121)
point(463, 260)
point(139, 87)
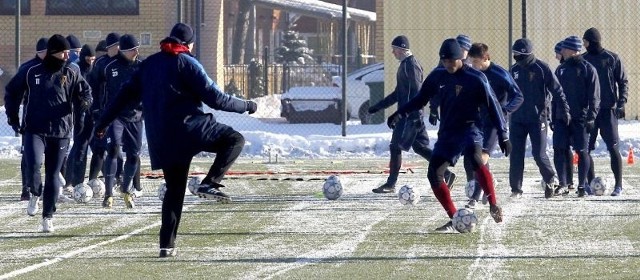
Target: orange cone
point(630, 157)
point(576, 158)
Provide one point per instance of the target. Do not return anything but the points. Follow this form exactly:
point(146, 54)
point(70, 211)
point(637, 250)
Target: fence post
point(265, 73)
point(359, 58)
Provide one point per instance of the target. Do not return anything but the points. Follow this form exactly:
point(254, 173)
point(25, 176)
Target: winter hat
point(464, 41)
point(558, 47)
point(57, 43)
point(128, 42)
point(87, 51)
point(401, 42)
point(101, 46)
point(41, 46)
point(182, 32)
point(450, 49)
point(112, 39)
point(572, 43)
point(74, 43)
point(522, 46)
point(592, 35)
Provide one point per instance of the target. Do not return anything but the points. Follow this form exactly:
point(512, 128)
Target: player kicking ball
point(462, 91)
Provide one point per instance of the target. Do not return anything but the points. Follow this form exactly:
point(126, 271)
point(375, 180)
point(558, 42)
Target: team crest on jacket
point(458, 89)
point(532, 75)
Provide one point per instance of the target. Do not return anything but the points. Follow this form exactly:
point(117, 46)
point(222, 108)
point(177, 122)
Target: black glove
point(433, 117)
point(84, 105)
point(393, 120)
point(373, 110)
point(15, 125)
point(251, 107)
point(505, 147)
point(590, 125)
point(620, 112)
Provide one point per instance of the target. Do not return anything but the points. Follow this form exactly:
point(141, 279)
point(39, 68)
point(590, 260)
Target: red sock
point(444, 197)
point(485, 179)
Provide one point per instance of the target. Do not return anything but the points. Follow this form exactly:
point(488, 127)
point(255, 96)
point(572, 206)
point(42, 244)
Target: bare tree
point(241, 31)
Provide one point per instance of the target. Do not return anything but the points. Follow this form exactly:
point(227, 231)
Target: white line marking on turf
point(75, 253)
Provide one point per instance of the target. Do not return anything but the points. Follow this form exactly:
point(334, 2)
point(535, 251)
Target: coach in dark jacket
point(173, 86)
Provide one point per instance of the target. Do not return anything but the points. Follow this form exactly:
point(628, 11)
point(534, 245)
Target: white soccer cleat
point(32, 207)
point(47, 225)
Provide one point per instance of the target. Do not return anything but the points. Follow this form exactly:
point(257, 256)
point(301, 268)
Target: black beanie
point(57, 43)
point(592, 35)
point(74, 43)
point(101, 46)
point(450, 49)
point(128, 42)
point(87, 51)
point(112, 39)
point(400, 42)
point(182, 32)
point(41, 46)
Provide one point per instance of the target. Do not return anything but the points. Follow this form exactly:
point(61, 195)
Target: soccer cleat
point(32, 207)
point(446, 228)
point(385, 188)
point(25, 196)
point(47, 225)
point(496, 213)
point(588, 190)
point(516, 195)
point(67, 190)
point(581, 192)
point(168, 252)
point(548, 191)
point(560, 190)
point(212, 191)
point(450, 180)
point(571, 187)
point(616, 191)
point(107, 202)
point(471, 204)
point(128, 200)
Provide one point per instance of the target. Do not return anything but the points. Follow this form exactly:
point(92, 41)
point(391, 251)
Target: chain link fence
point(288, 57)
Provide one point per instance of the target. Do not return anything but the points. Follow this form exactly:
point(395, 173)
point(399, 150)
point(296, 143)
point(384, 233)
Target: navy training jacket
point(580, 84)
point(614, 88)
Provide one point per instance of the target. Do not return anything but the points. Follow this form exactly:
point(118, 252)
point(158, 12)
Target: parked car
point(357, 90)
point(312, 105)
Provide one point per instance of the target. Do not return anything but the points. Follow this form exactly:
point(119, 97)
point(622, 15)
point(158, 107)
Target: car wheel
point(363, 113)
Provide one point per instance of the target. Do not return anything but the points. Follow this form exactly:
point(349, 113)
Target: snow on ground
point(268, 134)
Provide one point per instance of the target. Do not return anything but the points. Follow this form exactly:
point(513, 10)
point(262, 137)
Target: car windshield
point(365, 70)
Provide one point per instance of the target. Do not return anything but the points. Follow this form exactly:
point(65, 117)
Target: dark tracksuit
point(579, 81)
point(461, 95)
point(173, 86)
point(52, 94)
point(542, 92)
point(126, 130)
point(410, 132)
point(613, 94)
point(510, 98)
point(82, 134)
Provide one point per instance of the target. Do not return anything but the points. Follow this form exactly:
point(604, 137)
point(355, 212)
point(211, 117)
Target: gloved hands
point(620, 112)
point(15, 125)
point(590, 125)
point(84, 105)
point(252, 107)
point(505, 147)
point(433, 117)
point(393, 120)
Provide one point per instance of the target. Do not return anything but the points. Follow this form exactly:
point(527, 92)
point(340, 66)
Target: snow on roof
point(317, 9)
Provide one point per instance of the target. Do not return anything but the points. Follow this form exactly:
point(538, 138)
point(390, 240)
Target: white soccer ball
point(162, 190)
point(408, 195)
point(332, 188)
point(471, 187)
point(194, 183)
point(98, 188)
point(599, 186)
point(82, 193)
point(465, 220)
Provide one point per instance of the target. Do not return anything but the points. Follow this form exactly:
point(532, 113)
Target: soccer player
point(53, 91)
point(542, 95)
point(579, 81)
point(125, 132)
point(509, 98)
point(172, 86)
point(613, 97)
point(409, 132)
point(564, 189)
point(462, 91)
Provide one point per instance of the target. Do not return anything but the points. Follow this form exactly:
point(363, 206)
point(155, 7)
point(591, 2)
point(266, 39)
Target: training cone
point(630, 157)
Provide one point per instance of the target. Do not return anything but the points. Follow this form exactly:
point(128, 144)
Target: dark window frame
point(81, 8)
point(25, 8)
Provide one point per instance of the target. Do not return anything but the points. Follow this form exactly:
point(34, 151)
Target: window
point(92, 7)
point(8, 7)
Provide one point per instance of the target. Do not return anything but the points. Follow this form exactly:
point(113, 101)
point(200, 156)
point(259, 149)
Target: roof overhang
point(317, 9)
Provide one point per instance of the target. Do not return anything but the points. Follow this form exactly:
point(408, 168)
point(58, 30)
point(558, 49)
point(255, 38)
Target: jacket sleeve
point(494, 109)
point(559, 103)
point(94, 81)
point(386, 102)
point(82, 92)
point(514, 95)
point(129, 95)
point(428, 89)
point(593, 93)
point(621, 79)
point(14, 93)
point(208, 91)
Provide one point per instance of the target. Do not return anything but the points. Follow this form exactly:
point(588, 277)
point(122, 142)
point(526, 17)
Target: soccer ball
point(464, 220)
point(82, 193)
point(194, 184)
point(332, 188)
point(162, 190)
point(471, 188)
point(97, 186)
point(599, 186)
point(408, 195)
